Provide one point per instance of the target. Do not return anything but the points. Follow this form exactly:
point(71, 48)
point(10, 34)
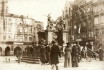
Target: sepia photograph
point(51, 34)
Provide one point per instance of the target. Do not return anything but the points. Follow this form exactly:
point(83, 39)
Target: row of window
point(20, 29)
point(90, 34)
point(82, 10)
point(89, 1)
point(98, 8)
point(95, 8)
point(20, 39)
point(99, 19)
point(97, 35)
point(9, 38)
point(17, 21)
point(84, 35)
point(26, 30)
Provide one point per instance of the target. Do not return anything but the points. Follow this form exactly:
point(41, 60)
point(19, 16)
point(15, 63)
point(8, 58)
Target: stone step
point(29, 59)
point(32, 60)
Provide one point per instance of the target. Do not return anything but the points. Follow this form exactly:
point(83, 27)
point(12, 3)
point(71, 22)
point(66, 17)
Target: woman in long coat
point(101, 52)
point(54, 55)
point(43, 54)
point(74, 56)
point(68, 61)
point(47, 48)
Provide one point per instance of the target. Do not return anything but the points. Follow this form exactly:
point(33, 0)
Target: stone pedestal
point(61, 36)
point(65, 36)
point(41, 35)
point(49, 35)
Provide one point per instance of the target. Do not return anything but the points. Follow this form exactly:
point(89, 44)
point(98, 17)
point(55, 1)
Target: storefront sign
point(17, 43)
point(78, 39)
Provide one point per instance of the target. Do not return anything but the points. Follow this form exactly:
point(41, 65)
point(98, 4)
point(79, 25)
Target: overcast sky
point(37, 9)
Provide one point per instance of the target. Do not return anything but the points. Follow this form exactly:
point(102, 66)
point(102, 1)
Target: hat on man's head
point(53, 42)
point(68, 43)
point(46, 44)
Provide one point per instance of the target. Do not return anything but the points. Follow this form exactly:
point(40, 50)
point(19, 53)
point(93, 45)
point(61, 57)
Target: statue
point(60, 24)
point(50, 22)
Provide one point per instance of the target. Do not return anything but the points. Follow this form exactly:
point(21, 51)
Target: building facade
point(98, 12)
point(16, 31)
point(85, 20)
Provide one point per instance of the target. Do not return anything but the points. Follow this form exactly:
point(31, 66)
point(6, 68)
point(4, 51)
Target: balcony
point(91, 38)
point(99, 13)
point(89, 13)
point(19, 33)
point(98, 2)
point(96, 26)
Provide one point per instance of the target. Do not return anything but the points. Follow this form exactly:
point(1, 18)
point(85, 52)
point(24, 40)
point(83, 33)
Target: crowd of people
point(73, 53)
point(49, 54)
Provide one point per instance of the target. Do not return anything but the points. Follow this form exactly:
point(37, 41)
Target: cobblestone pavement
point(83, 65)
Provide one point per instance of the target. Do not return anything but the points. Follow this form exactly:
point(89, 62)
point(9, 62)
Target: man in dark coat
point(54, 55)
point(101, 52)
point(79, 51)
point(74, 56)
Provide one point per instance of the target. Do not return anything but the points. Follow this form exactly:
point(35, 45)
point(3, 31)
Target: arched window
point(30, 38)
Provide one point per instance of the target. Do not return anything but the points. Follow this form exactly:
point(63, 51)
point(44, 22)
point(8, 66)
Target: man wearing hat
point(54, 55)
point(43, 54)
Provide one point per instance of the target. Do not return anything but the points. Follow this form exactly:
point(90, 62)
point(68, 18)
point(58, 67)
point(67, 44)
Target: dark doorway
point(59, 37)
point(0, 51)
point(31, 50)
point(28, 51)
point(17, 49)
point(7, 51)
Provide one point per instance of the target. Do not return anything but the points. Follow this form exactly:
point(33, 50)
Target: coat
point(47, 48)
point(68, 52)
point(19, 54)
point(68, 60)
point(43, 55)
point(101, 52)
point(75, 54)
point(54, 54)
